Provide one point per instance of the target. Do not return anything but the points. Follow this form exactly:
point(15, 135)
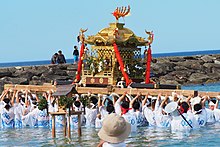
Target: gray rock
point(208, 58)
point(162, 68)
point(197, 78)
point(5, 72)
point(191, 64)
point(190, 57)
point(9, 80)
point(177, 59)
point(217, 62)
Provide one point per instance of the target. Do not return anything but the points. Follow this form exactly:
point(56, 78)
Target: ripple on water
point(145, 136)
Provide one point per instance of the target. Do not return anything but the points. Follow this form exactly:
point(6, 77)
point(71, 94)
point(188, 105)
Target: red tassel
point(79, 69)
point(121, 64)
point(147, 72)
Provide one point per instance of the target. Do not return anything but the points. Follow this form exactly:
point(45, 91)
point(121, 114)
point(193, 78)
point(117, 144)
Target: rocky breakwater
point(186, 70)
point(36, 75)
point(167, 70)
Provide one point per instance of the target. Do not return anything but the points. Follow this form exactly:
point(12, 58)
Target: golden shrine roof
point(116, 32)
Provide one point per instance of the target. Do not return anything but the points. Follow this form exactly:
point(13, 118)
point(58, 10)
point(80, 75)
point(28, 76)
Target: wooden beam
point(40, 88)
point(104, 90)
point(93, 90)
point(210, 94)
point(134, 91)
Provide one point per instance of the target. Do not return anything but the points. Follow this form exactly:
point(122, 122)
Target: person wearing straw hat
point(115, 129)
point(180, 122)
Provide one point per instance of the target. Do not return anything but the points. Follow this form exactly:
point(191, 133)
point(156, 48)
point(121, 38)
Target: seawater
point(146, 136)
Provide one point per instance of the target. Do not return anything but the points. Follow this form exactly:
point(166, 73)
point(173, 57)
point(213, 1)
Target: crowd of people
point(20, 109)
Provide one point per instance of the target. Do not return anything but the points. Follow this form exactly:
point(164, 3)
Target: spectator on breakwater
point(61, 58)
point(54, 59)
point(75, 54)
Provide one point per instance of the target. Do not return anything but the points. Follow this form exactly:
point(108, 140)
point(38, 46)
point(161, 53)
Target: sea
point(145, 136)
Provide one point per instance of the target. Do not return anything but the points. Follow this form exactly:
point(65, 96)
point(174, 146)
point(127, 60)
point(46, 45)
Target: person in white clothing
point(135, 104)
point(180, 122)
point(148, 111)
point(7, 112)
point(122, 107)
point(162, 119)
point(91, 111)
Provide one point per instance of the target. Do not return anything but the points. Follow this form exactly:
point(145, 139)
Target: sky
point(35, 30)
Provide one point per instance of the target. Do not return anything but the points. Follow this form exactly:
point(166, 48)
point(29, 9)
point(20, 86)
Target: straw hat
point(114, 129)
point(171, 107)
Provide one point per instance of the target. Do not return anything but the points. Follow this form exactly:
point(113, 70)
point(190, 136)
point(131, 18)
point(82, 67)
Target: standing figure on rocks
point(75, 55)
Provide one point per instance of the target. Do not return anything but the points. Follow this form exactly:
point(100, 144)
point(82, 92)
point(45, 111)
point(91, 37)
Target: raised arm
point(217, 100)
point(204, 100)
point(13, 97)
point(122, 97)
point(145, 99)
point(157, 104)
point(4, 93)
point(99, 100)
point(26, 98)
point(17, 97)
point(134, 99)
point(164, 101)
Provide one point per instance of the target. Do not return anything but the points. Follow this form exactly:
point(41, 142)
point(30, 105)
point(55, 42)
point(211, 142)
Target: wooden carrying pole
point(98, 90)
point(39, 88)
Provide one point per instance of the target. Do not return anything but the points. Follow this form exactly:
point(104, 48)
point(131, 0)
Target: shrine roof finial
point(121, 12)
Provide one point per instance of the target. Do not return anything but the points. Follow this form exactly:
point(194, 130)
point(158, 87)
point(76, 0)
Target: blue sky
point(35, 30)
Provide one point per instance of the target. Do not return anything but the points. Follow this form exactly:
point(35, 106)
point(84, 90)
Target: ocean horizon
point(156, 55)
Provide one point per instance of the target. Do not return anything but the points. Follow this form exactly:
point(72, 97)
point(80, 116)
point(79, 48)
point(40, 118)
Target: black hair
point(136, 105)
point(6, 100)
point(77, 104)
point(109, 102)
point(53, 102)
point(93, 100)
point(110, 109)
point(197, 107)
point(213, 100)
point(185, 106)
point(23, 99)
point(7, 106)
point(34, 102)
point(75, 47)
point(56, 54)
point(125, 104)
